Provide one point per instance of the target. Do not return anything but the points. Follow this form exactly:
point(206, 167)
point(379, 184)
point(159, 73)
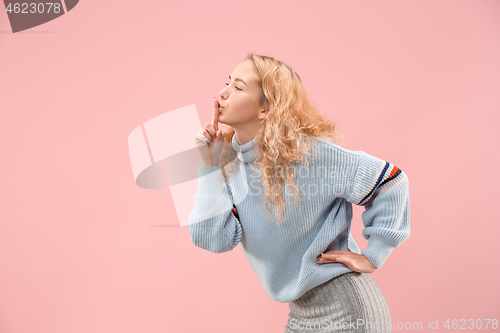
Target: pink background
point(84, 249)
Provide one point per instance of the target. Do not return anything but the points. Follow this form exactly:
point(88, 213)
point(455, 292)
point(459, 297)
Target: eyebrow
point(238, 79)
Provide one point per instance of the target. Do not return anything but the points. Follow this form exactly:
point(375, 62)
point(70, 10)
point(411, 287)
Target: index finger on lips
point(215, 115)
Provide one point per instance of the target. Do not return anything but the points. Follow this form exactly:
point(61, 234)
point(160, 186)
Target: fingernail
point(206, 140)
point(322, 254)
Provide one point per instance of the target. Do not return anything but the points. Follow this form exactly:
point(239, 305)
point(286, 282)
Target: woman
point(278, 148)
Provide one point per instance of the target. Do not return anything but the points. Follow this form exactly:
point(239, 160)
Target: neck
point(244, 135)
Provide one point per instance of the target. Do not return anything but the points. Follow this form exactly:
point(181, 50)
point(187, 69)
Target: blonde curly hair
point(292, 117)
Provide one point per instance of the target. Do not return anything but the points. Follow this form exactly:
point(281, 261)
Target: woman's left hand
point(353, 261)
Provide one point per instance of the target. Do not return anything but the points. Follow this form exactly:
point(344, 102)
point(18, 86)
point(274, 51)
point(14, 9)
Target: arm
point(212, 223)
point(383, 189)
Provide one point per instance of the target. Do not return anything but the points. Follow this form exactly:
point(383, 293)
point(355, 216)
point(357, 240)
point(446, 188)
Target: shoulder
point(322, 148)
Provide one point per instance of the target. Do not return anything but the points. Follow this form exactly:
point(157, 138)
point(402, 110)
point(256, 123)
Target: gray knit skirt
point(350, 302)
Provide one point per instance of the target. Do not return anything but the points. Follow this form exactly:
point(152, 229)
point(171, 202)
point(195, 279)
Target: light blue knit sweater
point(283, 255)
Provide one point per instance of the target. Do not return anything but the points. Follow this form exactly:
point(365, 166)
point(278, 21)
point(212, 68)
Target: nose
point(223, 93)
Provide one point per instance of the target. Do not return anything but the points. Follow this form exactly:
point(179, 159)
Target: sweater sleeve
point(212, 224)
point(383, 189)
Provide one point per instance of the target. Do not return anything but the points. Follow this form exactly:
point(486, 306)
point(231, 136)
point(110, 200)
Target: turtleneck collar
point(246, 152)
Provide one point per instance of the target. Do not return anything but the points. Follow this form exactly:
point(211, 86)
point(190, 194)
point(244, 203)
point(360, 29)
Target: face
point(240, 99)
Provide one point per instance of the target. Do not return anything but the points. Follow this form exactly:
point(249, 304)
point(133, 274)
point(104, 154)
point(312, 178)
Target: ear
point(263, 113)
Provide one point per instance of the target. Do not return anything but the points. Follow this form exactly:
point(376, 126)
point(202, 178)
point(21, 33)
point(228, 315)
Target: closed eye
point(234, 86)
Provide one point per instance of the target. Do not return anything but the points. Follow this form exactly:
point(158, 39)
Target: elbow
point(220, 250)
point(206, 242)
point(212, 247)
point(402, 233)
point(400, 237)
point(217, 236)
